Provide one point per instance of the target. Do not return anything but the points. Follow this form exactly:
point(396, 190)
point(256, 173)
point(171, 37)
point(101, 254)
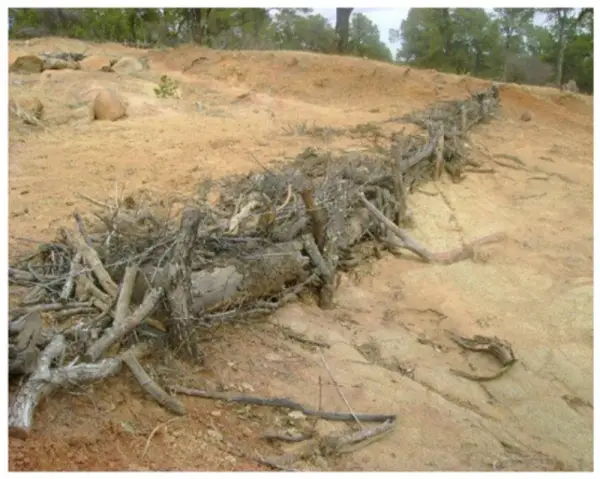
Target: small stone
point(247, 387)
point(296, 415)
point(526, 116)
point(247, 432)
point(215, 413)
point(273, 357)
point(214, 435)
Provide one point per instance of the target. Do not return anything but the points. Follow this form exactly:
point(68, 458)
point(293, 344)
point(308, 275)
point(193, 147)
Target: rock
point(51, 63)
point(27, 64)
point(526, 116)
point(108, 106)
point(246, 387)
point(96, 63)
point(127, 65)
point(273, 357)
point(215, 413)
point(29, 108)
point(296, 415)
point(216, 436)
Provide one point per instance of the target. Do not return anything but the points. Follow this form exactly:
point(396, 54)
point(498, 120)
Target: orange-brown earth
point(388, 349)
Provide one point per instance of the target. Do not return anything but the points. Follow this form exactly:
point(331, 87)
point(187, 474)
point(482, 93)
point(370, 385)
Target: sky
point(384, 18)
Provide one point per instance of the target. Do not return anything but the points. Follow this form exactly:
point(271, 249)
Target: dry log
point(246, 279)
point(326, 273)
point(122, 308)
point(439, 153)
point(46, 307)
point(45, 380)
point(397, 152)
point(91, 258)
point(22, 351)
point(317, 217)
point(179, 293)
point(67, 290)
point(150, 386)
point(120, 329)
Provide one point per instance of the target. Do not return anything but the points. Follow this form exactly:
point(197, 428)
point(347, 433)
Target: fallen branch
point(284, 403)
point(46, 380)
point(179, 294)
point(90, 256)
point(122, 308)
point(118, 330)
point(151, 387)
point(447, 257)
point(499, 349)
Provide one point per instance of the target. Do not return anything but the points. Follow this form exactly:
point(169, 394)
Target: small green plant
point(167, 88)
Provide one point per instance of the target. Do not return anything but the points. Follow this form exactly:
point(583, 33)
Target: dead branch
point(46, 380)
point(244, 213)
point(398, 177)
point(150, 386)
point(122, 308)
point(22, 351)
point(407, 241)
point(118, 330)
point(47, 307)
point(90, 257)
point(317, 219)
point(498, 348)
point(67, 290)
point(439, 153)
point(179, 295)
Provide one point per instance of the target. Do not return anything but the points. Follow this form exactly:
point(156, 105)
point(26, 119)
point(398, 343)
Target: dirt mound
point(387, 347)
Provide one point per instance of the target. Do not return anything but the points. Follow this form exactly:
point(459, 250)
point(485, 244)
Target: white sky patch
point(384, 18)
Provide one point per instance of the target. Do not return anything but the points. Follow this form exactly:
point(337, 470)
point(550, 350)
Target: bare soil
point(388, 351)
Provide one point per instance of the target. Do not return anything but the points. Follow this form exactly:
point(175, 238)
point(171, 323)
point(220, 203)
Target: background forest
point(523, 45)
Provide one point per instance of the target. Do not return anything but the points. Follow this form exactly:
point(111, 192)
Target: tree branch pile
point(115, 287)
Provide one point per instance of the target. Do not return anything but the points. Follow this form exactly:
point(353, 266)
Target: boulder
point(526, 116)
point(96, 63)
point(108, 106)
point(27, 64)
point(127, 65)
point(52, 63)
point(30, 109)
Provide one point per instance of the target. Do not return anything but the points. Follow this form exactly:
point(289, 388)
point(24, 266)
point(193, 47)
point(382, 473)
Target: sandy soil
point(388, 349)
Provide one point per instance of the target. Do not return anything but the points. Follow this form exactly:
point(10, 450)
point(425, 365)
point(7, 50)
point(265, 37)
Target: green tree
point(364, 39)
point(563, 25)
point(476, 41)
point(427, 37)
point(513, 23)
point(293, 30)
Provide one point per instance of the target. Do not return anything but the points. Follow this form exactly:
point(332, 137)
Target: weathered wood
point(121, 328)
point(45, 380)
point(397, 152)
point(122, 308)
point(150, 386)
point(317, 217)
point(91, 258)
point(439, 154)
point(179, 297)
point(22, 349)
